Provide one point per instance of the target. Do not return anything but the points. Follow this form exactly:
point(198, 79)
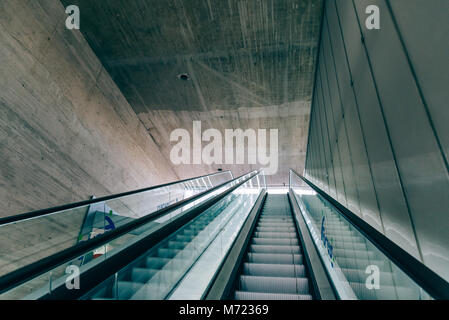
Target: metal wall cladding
point(379, 139)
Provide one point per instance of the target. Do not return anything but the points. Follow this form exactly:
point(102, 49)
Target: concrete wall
point(66, 130)
point(379, 139)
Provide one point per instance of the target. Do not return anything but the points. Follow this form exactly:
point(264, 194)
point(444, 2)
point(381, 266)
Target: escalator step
point(349, 245)
point(126, 289)
point(275, 258)
point(384, 292)
point(359, 254)
point(275, 229)
point(275, 234)
point(362, 264)
point(156, 262)
point(357, 275)
point(273, 270)
point(245, 295)
point(167, 253)
point(274, 249)
point(177, 244)
point(284, 220)
point(275, 241)
point(183, 238)
point(274, 284)
point(142, 275)
point(276, 224)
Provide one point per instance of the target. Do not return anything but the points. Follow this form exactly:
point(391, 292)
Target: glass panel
point(121, 243)
point(204, 240)
point(357, 268)
point(34, 239)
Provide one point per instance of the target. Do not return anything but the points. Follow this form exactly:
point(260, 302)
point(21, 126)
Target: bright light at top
point(305, 191)
point(277, 190)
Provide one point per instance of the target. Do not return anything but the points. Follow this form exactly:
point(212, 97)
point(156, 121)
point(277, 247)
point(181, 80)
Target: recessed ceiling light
point(184, 76)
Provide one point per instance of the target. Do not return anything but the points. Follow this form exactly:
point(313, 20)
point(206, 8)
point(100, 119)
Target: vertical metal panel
point(351, 185)
point(362, 171)
point(346, 167)
point(381, 121)
point(329, 120)
point(325, 137)
point(320, 161)
point(379, 152)
point(420, 163)
point(424, 30)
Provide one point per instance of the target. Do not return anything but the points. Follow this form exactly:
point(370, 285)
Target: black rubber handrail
point(35, 269)
point(42, 212)
point(427, 279)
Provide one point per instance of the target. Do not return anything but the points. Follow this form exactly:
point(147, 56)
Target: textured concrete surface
point(66, 130)
point(251, 65)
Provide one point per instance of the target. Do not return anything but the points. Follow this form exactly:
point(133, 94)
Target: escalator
point(154, 274)
point(274, 268)
point(219, 238)
point(355, 255)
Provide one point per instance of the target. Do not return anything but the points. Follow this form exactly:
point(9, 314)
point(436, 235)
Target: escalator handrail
point(426, 278)
point(43, 212)
point(37, 268)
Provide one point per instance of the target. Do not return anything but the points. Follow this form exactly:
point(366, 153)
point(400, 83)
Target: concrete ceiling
point(250, 64)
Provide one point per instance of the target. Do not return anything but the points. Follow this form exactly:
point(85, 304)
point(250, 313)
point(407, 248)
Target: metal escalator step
point(344, 238)
point(349, 245)
point(355, 263)
point(190, 232)
point(275, 241)
point(384, 292)
point(104, 293)
point(245, 295)
point(357, 275)
point(274, 284)
point(274, 249)
point(275, 258)
point(275, 234)
point(279, 217)
point(167, 253)
point(273, 270)
point(176, 245)
point(156, 262)
point(166, 275)
point(274, 224)
point(348, 253)
point(340, 230)
point(275, 229)
point(126, 289)
point(151, 291)
point(276, 220)
point(142, 275)
point(331, 233)
point(184, 238)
